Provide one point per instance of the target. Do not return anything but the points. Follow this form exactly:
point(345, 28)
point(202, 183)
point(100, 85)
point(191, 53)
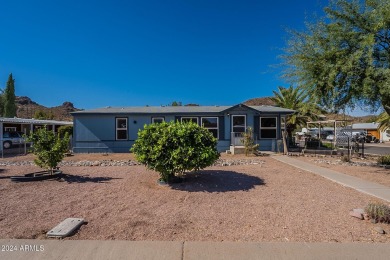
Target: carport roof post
point(1, 138)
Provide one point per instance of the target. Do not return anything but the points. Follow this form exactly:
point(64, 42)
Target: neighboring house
point(19, 126)
point(372, 128)
point(115, 129)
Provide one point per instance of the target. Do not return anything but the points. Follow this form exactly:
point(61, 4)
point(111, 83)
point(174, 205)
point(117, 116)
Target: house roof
point(16, 120)
point(179, 110)
point(365, 126)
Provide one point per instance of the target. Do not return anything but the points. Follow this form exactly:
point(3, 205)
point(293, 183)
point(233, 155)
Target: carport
point(27, 126)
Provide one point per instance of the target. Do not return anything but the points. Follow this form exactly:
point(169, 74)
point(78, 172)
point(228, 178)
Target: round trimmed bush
point(174, 148)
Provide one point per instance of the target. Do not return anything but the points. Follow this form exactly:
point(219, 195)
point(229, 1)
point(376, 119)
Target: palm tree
point(384, 121)
point(296, 99)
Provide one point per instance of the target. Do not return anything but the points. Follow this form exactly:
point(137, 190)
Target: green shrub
point(384, 159)
point(48, 147)
point(327, 145)
point(173, 148)
point(62, 130)
point(345, 158)
point(378, 211)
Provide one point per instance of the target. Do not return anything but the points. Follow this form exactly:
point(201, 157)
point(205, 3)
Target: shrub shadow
point(84, 179)
point(217, 181)
point(4, 177)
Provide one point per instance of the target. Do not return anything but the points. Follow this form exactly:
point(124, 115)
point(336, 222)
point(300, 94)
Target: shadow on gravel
point(84, 179)
point(217, 181)
point(4, 171)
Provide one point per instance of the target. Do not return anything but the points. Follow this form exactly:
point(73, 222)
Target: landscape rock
point(340, 162)
point(379, 230)
point(106, 163)
point(361, 211)
point(356, 214)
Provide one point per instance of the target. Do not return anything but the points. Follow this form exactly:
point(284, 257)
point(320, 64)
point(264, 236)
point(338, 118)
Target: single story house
point(115, 129)
point(372, 128)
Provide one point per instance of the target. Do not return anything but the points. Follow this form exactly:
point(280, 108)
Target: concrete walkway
point(370, 188)
point(177, 250)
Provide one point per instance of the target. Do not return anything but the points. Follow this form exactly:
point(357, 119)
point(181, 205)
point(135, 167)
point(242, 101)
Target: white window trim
point(269, 128)
point(237, 116)
point(119, 128)
point(190, 117)
point(10, 129)
point(158, 117)
point(201, 119)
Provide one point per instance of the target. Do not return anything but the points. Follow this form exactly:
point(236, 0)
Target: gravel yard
point(366, 169)
point(261, 200)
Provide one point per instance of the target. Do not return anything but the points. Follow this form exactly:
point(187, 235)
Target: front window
point(238, 124)
point(157, 120)
point(268, 127)
point(10, 129)
point(189, 119)
point(121, 129)
point(211, 123)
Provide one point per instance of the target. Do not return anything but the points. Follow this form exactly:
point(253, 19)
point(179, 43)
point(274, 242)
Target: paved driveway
point(381, 149)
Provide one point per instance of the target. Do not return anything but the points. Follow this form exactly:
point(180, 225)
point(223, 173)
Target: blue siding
point(97, 132)
point(94, 128)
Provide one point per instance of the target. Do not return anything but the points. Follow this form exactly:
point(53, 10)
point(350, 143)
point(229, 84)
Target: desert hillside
point(266, 101)
point(28, 109)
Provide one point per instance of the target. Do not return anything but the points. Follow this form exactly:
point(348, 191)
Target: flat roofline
point(18, 120)
point(329, 121)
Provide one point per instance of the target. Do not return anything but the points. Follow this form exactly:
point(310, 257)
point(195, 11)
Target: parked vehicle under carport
point(12, 138)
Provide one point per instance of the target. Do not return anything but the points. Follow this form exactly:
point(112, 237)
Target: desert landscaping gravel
point(262, 200)
point(366, 168)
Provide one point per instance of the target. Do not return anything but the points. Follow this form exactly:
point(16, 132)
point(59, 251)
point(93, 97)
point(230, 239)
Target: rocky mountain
point(262, 101)
point(26, 108)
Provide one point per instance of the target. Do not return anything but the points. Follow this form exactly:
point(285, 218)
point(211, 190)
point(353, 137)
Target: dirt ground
point(265, 202)
point(355, 168)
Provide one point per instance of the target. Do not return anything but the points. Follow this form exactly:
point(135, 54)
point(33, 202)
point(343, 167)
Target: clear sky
point(147, 52)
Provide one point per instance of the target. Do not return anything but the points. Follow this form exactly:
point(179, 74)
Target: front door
point(238, 128)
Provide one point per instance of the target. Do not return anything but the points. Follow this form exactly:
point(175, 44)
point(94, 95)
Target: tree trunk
point(285, 146)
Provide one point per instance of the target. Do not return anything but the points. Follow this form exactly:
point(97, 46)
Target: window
point(238, 124)
point(121, 129)
point(157, 120)
point(211, 123)
point(10, 129)
point(189, 119)
point(268, 127)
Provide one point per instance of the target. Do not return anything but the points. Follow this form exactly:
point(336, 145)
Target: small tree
point(9, 98)
point(65, 129)
point(1, 102)
point(48, 147)
point(175, 104)
point(173, 148)
point(39, 114)
point(249, 142)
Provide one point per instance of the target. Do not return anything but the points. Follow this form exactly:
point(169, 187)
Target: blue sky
point(136, 53)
